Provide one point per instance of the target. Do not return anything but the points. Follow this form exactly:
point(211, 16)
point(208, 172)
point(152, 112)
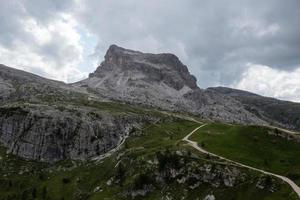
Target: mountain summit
point(144, 78)
point(161, 81)
point(164, 68)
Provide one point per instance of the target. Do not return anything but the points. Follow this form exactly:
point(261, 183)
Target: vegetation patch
point(152, 164)
point(253, 145)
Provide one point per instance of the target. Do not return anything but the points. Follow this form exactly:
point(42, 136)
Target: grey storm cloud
point(215, 38)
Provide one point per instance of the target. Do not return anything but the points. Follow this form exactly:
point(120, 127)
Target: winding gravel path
point(99, 158)
point(197, 147)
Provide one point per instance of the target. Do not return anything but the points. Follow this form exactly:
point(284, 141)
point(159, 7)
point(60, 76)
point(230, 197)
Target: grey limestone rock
point(48, 134)
point(161, 81)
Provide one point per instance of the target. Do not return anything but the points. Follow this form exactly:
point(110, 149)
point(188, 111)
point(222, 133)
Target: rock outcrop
point(276, 112)
point(161, 81)
point(51, 134)
point(47, 120)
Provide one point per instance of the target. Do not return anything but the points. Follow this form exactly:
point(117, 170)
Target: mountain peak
point(116, 48)
point(135, 66)
point(116, 54)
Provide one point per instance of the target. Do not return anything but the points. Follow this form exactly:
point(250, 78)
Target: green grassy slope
point(133, 168)
point(252, 145)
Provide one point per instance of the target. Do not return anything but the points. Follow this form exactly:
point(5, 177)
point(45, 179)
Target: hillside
point(157, 81)
point(277, 112)
point(118, 135)
point(152, 164)
point(50, 121)
point(160, 81)
point(265, 148)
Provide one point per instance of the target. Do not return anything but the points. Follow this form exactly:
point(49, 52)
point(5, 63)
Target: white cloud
point(40, 34)
point(53, 49)
point(271, 82)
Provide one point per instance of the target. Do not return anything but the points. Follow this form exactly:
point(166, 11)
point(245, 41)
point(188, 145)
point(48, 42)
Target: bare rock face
point(152, 68)
point(48, 134)
point(6, 89)
point(47, 120)
point(276, 112)
point(161, 81)
point(148, 79)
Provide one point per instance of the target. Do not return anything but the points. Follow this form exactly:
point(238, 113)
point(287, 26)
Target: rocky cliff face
point(49, 121)
point(161, 81)
point(51, 134)
point(164, 68)
point(135, 77)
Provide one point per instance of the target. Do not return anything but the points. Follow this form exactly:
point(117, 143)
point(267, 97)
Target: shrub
point(66, 180)
point(142, 180)
point(167, 160)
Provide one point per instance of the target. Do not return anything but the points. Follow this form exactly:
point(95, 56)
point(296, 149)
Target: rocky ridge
point(49, 121)
point(160, 81)
point(275, 112)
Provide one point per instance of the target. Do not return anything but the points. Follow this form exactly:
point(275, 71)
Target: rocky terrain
point(160, 81)
point(151, 164)
point(48, 134)
point(49, 120)
point(276, 112)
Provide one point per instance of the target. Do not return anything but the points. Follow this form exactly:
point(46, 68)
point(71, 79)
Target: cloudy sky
point(246, 44)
